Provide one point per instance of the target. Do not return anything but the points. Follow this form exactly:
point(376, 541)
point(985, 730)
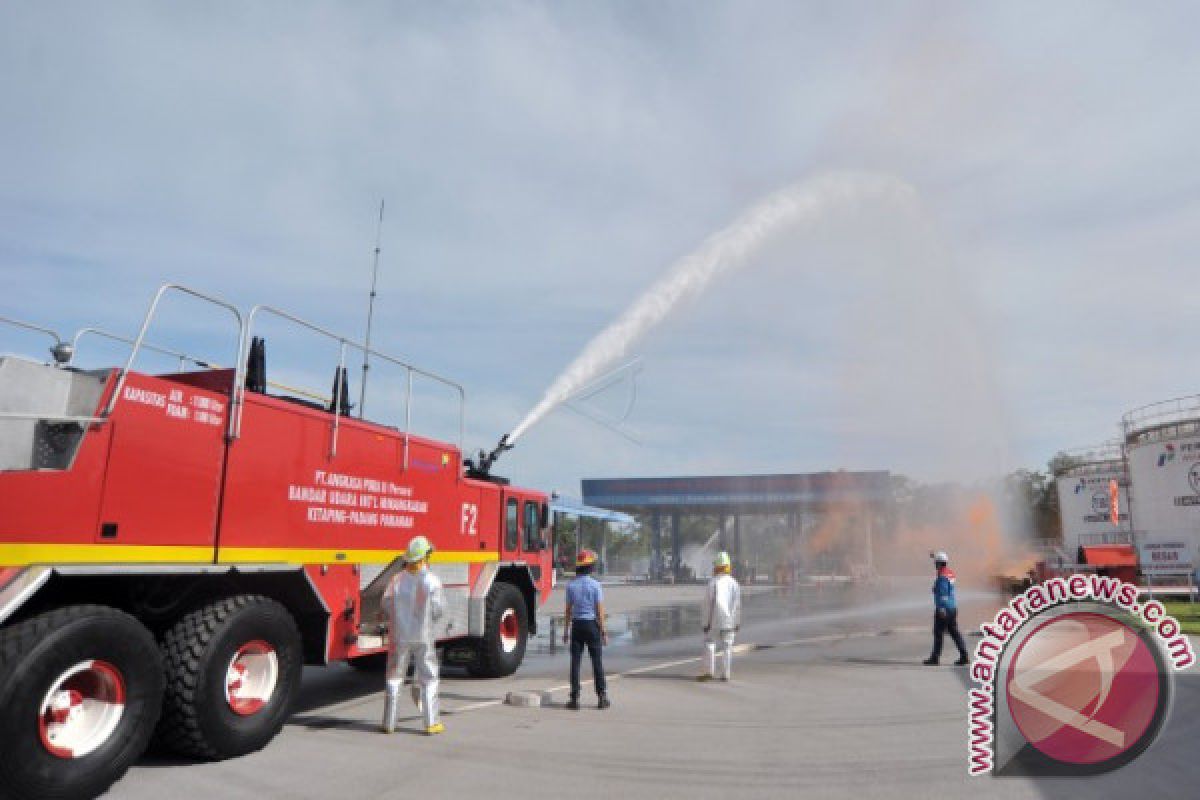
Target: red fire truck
point(175, 547)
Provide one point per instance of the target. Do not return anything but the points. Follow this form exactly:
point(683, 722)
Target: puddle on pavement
point(658, 623)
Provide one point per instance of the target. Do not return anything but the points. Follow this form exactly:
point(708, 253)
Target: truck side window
point(511, 523)
point(533, 528)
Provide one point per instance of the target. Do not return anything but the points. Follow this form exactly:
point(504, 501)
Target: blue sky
point(543, 163)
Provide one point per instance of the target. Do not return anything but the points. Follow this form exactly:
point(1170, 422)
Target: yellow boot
point(434, 729)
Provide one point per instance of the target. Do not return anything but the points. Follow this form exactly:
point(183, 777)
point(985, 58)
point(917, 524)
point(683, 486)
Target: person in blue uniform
point(945, 611)
point(585, 627)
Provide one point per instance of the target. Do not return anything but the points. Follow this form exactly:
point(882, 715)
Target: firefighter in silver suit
point(413, 603)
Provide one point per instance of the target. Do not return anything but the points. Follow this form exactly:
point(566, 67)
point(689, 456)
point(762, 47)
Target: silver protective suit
point(722, 617)
point(413, 603)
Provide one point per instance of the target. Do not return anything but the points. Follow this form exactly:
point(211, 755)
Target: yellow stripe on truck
point(22, 555)
point(273, 555)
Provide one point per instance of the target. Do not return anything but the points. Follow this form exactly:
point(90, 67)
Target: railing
point(184, 358)
point(344, 344)
point(139, 342)
point(1088, 456)
point(1180, 409)
point(64, 351)
point(1115, 537)
point(29, 326)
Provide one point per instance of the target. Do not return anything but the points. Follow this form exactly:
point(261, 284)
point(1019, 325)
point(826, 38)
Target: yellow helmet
point(419, 549)
point(722, 562)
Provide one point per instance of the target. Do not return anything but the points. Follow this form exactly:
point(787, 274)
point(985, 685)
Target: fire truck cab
point(175, 547)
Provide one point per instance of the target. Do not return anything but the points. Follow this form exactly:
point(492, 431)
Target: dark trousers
point(947, 624)
point(586, 633)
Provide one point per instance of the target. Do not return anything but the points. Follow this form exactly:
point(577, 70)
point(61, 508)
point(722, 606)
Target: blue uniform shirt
point(943, 590)
point(583, 594)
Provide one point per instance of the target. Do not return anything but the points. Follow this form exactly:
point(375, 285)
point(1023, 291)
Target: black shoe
point(962, 661)
point(930, 662)
point(603, 702)
point(573, 704)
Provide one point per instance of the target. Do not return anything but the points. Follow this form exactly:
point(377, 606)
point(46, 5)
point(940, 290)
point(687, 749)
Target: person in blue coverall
point(945, 614)
point(585, 628)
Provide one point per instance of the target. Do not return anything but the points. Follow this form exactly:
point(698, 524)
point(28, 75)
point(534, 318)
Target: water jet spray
point(726, 250)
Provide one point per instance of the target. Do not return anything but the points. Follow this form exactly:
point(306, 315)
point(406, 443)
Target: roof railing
point(1166, 412)
point(63, 352)
point(344, 344)
point(139, 341)
point(1089, 456)
point(184, 358)
point(61, 349)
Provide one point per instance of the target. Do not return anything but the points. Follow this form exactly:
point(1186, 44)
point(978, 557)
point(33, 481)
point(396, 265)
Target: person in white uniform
point(413, 602)
point(722, 620)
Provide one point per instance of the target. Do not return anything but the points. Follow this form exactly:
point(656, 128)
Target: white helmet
point(940, 556)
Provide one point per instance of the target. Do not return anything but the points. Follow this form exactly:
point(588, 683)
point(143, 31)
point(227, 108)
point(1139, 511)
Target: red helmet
point(586, 558)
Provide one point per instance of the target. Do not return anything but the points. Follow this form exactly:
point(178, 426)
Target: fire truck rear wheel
point(232, 669)
point(506, 629)
point(80, 692)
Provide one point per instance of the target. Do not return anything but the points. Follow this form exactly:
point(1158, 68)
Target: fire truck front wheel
point(233, 668)
point(506, 629)
point(80, 691)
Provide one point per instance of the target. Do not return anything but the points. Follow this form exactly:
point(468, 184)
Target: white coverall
point(722, 616)
point(413, 602)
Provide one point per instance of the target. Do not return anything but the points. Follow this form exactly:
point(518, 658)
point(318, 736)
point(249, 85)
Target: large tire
point(224, 696)
point(506, 630)
point(53, 744)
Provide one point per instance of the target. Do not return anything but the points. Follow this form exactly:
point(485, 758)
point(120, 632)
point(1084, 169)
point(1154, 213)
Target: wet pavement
point(829, 699)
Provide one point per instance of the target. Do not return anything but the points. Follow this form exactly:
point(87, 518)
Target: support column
point(581, 535)
point(723, 539)
point(869, 518)
point(793, 559)
point(604, 547)
point(656, 556)
point(676, 545)
point(737, 543)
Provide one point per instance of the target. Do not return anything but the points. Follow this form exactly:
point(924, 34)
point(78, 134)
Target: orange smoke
point(967, 527)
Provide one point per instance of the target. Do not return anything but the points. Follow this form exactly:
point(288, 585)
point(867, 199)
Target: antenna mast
point(362, 390)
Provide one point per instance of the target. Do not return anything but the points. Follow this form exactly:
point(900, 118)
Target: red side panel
point(338, 585)
point(56, 507)
point(286, 491)
point(163, 478)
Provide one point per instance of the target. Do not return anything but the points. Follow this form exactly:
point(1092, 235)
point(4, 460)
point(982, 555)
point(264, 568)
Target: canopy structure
point(864, 500)
point(577, 508)
point(577, 525)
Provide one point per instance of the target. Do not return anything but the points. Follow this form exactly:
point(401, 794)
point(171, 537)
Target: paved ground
point(833, 703)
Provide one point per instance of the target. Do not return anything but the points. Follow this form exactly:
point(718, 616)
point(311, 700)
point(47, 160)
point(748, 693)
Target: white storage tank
point(1162, 447)
point(1082, 478)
